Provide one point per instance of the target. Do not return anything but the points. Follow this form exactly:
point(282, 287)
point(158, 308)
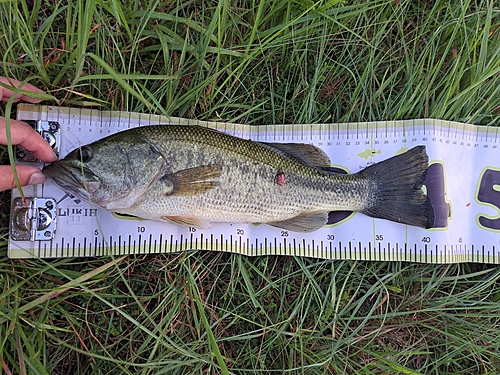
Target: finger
point(6, 94)
point(28, 175)
point(24, 135)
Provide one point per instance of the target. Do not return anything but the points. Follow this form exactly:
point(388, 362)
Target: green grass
point(253, 62)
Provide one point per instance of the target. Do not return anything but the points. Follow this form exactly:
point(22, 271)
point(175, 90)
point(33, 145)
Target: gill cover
point(111, 173)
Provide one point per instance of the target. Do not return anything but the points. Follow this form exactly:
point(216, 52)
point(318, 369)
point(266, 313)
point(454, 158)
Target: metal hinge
point(49, 130)
point(33, 219)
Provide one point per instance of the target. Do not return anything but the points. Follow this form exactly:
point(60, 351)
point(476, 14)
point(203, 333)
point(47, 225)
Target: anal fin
point(306, 222)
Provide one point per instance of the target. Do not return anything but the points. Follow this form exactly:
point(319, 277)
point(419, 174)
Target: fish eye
point(84, 154)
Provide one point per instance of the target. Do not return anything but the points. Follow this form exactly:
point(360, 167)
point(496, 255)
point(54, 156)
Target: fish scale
point(247, 185)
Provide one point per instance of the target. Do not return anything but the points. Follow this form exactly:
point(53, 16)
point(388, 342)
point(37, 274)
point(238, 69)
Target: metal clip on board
point(34, 218)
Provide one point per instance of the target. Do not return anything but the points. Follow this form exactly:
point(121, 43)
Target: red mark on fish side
point(280, 179)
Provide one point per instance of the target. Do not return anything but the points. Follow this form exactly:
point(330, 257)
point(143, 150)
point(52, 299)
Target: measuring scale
point(463, 183)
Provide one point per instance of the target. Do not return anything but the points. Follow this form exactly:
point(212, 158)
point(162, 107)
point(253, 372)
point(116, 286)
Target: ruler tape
point(463, 183)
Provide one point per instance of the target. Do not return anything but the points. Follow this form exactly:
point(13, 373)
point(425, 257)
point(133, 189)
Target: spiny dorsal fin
point(307, 154)
point(306, 222)
point(192, 181)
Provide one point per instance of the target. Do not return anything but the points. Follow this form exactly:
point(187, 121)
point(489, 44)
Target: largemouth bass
point(193, 176)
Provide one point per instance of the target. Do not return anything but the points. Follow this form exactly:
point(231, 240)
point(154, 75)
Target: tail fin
point(397, 189)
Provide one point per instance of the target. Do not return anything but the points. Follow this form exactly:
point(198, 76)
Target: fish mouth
point(73, 177)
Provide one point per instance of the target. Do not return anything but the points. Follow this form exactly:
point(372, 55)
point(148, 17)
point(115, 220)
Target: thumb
point(28, 175)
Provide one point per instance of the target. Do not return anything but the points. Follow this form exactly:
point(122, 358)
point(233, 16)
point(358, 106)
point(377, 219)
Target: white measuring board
point(463, 182)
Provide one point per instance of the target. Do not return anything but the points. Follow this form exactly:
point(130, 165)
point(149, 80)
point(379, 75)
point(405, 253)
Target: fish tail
point(397, 189)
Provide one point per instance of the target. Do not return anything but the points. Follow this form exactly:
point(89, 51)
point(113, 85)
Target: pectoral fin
point(306, 222)
point(192, 181)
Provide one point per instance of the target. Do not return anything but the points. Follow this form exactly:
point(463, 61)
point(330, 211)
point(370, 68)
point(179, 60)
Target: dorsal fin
point(309, 155)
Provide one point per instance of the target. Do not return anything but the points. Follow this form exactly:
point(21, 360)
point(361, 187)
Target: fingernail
point(37, 178)
point(53, 158)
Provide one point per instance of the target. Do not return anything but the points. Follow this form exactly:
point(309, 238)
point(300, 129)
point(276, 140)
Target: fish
point(194, 176)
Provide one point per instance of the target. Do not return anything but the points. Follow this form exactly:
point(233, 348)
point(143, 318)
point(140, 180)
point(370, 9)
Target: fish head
point(112, 173)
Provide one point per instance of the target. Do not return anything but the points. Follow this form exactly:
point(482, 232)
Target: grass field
point(253, 62)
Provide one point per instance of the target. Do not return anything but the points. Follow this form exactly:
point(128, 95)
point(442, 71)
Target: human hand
point(6, 94)
point(24, 135)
